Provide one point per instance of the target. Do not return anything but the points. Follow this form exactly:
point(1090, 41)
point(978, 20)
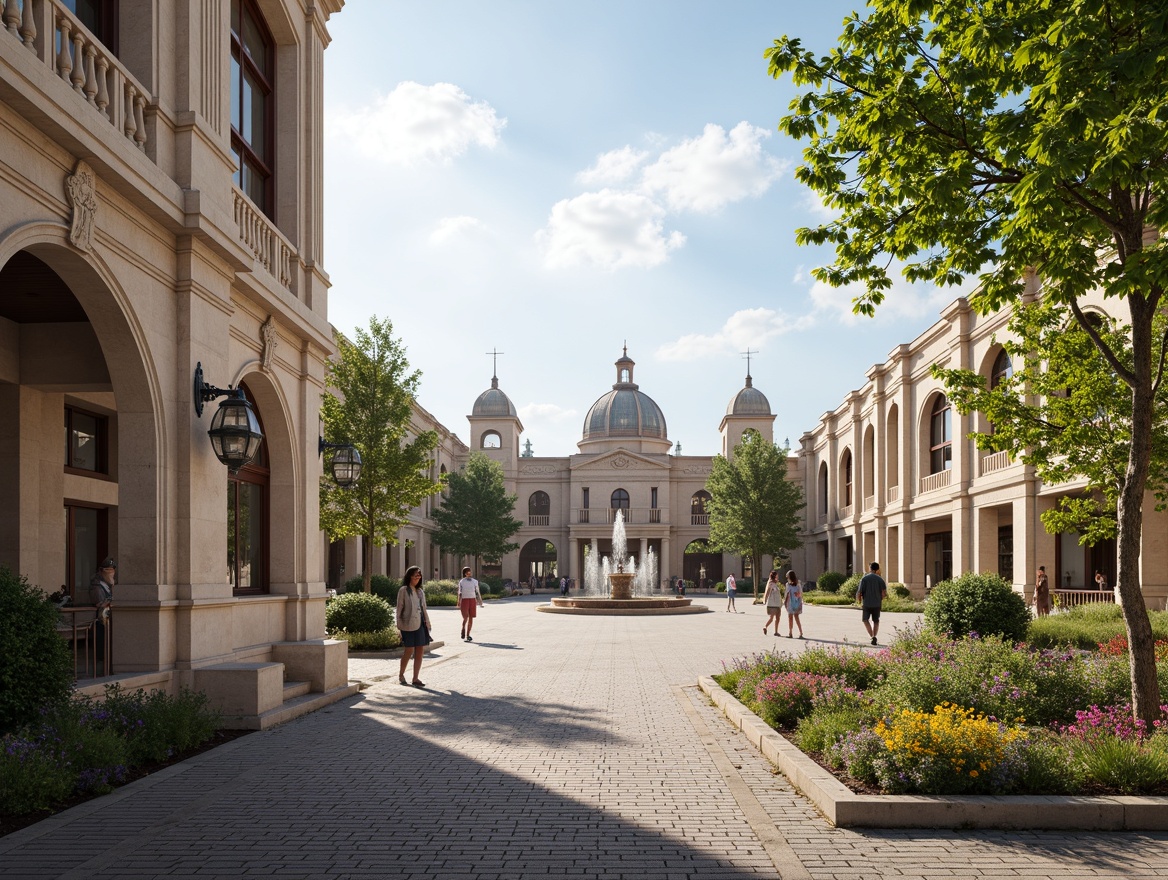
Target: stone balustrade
point(260, 236)
point(935, 481)
point(55, 35)
point(892, 494)
point(994, 461)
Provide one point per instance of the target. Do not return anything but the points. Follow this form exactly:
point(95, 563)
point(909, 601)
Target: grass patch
point(1088, 626)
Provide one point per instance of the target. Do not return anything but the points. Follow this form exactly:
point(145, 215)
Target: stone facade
point(133, 248)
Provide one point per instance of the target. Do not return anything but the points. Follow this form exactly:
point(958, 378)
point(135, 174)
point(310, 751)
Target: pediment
point(617, 460)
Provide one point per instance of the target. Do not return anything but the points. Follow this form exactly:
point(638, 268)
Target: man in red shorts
point(469, 600)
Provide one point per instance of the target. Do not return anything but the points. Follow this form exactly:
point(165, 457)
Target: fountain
point(618, 586)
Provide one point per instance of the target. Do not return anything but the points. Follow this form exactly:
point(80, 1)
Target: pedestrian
point(1100, 581)
point(731, 592)
point(772, 598)
point(1042, 592)
point(681, 586)
point(870, 594)
point(101, 596)
point(413, 621)
point(564, 586)
point(470, 599)
point(793, 602)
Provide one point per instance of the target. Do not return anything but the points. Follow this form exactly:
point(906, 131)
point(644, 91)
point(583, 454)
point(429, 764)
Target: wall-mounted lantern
point(235, 431)
point(346, 462)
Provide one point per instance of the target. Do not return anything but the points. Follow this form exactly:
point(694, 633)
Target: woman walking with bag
point(772, 598)
point(793, 601)
point(413, 621)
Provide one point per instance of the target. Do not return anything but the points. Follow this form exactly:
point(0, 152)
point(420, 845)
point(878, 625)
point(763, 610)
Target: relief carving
point(621, 463)
point(541, 470)
point(81, 194)
point(271, 340)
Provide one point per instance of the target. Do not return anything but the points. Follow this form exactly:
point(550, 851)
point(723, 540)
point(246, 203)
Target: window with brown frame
point(941, 436)
point(86, 542)
point(253, 104)
point(100, 18)
point(247, 522)
point(86, 441)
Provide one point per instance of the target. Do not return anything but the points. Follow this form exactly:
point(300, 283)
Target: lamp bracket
point(205, 393)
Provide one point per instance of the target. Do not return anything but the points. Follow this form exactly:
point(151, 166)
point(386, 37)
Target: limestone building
point(625, 462)
point(892, 475)
point(161, 209)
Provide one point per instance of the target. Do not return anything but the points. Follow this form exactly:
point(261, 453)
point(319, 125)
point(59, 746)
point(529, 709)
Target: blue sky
point(556, 180)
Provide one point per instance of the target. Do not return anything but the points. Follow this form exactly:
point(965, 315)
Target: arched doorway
point(701, 562)
point(537, 561)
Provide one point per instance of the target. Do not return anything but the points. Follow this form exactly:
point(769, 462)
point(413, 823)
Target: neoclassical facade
point(161, 209)
point(892, 475)
point(625, 462)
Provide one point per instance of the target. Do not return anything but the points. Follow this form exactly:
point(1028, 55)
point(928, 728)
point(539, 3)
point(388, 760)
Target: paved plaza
point(552, 746)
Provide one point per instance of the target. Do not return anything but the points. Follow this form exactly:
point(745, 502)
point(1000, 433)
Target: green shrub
point(358, 612)
point(985, 604)
point(1088, 626)
point(157, 725)
point(834, 713)
point(829, 581)
point(815, 597)
point(33, 776)
point(720, 587)
point(849, 587)
point(373, 641)
point(900, 590)
point(379, 585)
point(492, 582)
point(1129, 766)
point(441, 594)
point(36, 668)
point(857, 668)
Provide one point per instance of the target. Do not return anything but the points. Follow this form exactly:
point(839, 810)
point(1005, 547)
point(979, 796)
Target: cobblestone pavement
point(552, 746)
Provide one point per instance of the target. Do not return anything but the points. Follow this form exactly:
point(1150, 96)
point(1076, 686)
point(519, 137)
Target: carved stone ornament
point(621, 463)
point(540, 470)
point(696, 469)
point(81, 194)
point(271, 340)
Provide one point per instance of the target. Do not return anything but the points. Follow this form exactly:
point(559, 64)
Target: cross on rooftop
point(495, 362)
point(747, 355)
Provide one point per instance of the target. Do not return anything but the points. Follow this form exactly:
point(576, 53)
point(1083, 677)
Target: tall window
point(86, 541)
point(822, 489)
point(697, 508)
point(941, 436)
point(247, 523)
point(1003, 369)
point(620, 500)
point(100, 17)
point(539, 504)
point(252, 103)
point(847, 469)
point(1006, 552)
point(85, 441)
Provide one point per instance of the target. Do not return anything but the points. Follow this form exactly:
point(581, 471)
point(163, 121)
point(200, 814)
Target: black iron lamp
point(345, 464)
point(235, 431)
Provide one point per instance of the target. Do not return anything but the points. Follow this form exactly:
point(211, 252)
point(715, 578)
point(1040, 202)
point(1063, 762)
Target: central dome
point(626, 412)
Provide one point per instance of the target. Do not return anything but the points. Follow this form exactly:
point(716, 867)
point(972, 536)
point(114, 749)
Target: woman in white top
point(773, 600)
point(469, 600)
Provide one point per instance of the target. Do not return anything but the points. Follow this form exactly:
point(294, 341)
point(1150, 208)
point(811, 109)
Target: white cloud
point(546, 412)
point(417, 124)
point(615, 166)
point(902, 301)
point(714, 169)
point(744, 329)
point(452, 227)
point(608, 229)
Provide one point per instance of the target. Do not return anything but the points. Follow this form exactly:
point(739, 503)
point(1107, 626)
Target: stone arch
point(141, 427)
point(286, 489)
point(535, 559)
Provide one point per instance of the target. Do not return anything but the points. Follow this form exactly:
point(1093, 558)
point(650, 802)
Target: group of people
point(787, 595)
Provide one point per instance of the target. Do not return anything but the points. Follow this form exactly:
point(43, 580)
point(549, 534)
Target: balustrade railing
point(263, 239)
point(538, 519)
point(935, 481)
point(869, 502)
point(58, 38)
point(994, 461)
point(699, 519)
point(1064, 599)
point(846, 511)
point(892, 494)
point(607, 516)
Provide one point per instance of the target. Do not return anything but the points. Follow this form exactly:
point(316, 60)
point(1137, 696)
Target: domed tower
point(495, 427)
point(625, 418)
point(749, 409)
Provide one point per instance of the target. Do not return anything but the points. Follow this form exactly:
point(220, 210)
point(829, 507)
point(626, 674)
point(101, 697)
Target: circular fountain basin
point(617, 607)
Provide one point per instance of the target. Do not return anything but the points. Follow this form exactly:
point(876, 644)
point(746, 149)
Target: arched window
point(1003, 369)
point(940, 436)
point(697, 508)
point(823, 500)
point(247, 520)
point(619, 500)
point(846, 473)
point(539, 504)
point(253, 63)
point(491, 440)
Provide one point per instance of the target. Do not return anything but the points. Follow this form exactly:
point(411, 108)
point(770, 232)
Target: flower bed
point(931, 715)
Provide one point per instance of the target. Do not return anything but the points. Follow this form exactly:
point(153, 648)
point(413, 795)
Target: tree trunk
point(1130, 517)
point(367, 559)
point(756, 570)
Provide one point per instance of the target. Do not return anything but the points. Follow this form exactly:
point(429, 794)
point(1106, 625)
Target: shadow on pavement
point(353, 791)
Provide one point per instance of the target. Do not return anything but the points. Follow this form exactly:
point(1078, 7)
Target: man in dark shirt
point(870, 595)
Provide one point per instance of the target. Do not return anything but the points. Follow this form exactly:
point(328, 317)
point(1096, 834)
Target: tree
point(371, 410)
point(474, 519)
point(1005, 139)
point(753, 507)
point(1064, 412)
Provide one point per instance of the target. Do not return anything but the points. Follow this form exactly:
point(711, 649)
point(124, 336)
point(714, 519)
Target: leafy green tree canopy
point(475, 517)
point(369, 404)
point(1012, 139)
point(753, 507)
